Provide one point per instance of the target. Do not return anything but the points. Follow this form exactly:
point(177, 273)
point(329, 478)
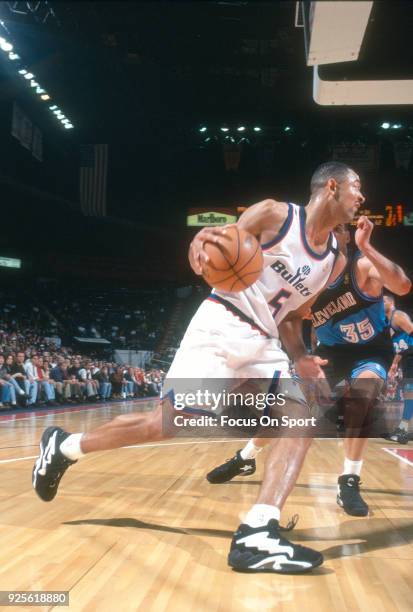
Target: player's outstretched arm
point(374, 269)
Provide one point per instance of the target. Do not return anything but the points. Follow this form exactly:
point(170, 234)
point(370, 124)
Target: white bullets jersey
point(293, 273)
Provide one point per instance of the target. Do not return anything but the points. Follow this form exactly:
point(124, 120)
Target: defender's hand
point(363, 233)
point(309, 366)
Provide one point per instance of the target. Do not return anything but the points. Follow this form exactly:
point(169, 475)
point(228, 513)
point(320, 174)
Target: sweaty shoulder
point(264, 219)
point(403, 321)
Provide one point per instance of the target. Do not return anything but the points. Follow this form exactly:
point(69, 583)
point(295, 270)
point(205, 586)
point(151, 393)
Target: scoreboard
point(393, 215)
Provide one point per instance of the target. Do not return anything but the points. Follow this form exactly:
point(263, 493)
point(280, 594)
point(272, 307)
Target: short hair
point(332, 169)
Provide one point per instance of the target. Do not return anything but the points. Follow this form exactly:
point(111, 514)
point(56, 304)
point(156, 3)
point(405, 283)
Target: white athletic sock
point(352, 467)
point(250, 451)
point(260, 514)
point(404, 425)
point(70, 447)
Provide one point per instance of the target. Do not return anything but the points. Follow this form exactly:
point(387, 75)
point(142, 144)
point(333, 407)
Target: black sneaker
point(263, 549)
point(237, 466)
point(349, 497)
point(399, 435)
point(51, 463)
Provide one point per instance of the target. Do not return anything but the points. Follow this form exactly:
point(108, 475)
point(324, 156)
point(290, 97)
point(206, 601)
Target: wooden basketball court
point(140, 528)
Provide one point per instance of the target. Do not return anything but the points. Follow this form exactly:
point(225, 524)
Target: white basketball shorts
point(219, 351)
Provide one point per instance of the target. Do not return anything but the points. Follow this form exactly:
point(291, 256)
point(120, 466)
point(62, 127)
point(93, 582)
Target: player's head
point(342, 234)
point(389, 303)
point(338, 184)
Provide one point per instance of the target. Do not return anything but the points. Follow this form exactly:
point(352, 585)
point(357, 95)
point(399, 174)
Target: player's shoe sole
point(51, 464)
point(264, 550)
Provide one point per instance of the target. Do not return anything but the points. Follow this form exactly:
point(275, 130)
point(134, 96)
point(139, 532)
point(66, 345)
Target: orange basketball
point(235, 262)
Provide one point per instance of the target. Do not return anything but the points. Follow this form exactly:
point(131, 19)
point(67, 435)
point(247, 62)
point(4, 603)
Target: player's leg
point(199, 357)
point(401, 434)
point(366, 383)
point(60, 449)
point(257, 544)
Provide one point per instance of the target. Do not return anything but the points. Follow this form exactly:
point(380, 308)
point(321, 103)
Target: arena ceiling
point(122, 66)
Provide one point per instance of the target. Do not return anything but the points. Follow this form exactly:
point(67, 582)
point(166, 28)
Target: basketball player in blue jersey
point(353, 337)
point(235, 336)
point(401, 327)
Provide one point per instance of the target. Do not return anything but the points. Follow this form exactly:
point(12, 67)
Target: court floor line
point(393, 453)
point(158, 444)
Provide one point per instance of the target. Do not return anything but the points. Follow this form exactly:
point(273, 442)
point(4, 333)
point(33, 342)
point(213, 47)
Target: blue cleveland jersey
point(402, 341)
point(343, 315)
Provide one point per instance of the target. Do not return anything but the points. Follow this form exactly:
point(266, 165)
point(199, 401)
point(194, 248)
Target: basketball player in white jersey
point(235, 336)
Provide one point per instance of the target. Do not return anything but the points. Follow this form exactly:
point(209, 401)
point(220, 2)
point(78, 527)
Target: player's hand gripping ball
point(235, 260)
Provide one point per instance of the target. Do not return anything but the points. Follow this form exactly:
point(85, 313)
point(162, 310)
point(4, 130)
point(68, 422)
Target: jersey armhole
point(283, 231)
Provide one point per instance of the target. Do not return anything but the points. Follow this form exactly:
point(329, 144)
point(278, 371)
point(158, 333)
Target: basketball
point(235, 262)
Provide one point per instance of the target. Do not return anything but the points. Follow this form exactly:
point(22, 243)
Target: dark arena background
point(125, 128)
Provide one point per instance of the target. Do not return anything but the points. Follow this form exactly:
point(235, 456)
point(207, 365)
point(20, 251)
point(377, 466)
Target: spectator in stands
point(90, 385)
point(48, 385)
point(18, 372)
point(140, 382)
point(75, 385)
point(105, 386)
point(35, 374)
point(8, 364)
point(75, 377)
point(8, 392)
point(131, 387)
point(60, 376)
point(118, 383)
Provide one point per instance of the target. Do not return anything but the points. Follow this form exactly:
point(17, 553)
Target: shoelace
point(292, 522)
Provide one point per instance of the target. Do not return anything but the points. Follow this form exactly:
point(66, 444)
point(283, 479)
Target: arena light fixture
point(385, 125)
point(5, 45)
point(203, 129)
point(396, 126)
point(69, 126)
point(257, 129)
point(224, 129)
point(241, 128)
point(65, 121)
point(287, 128)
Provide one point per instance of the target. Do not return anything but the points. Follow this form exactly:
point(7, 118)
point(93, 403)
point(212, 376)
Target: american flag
point(93, 179)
